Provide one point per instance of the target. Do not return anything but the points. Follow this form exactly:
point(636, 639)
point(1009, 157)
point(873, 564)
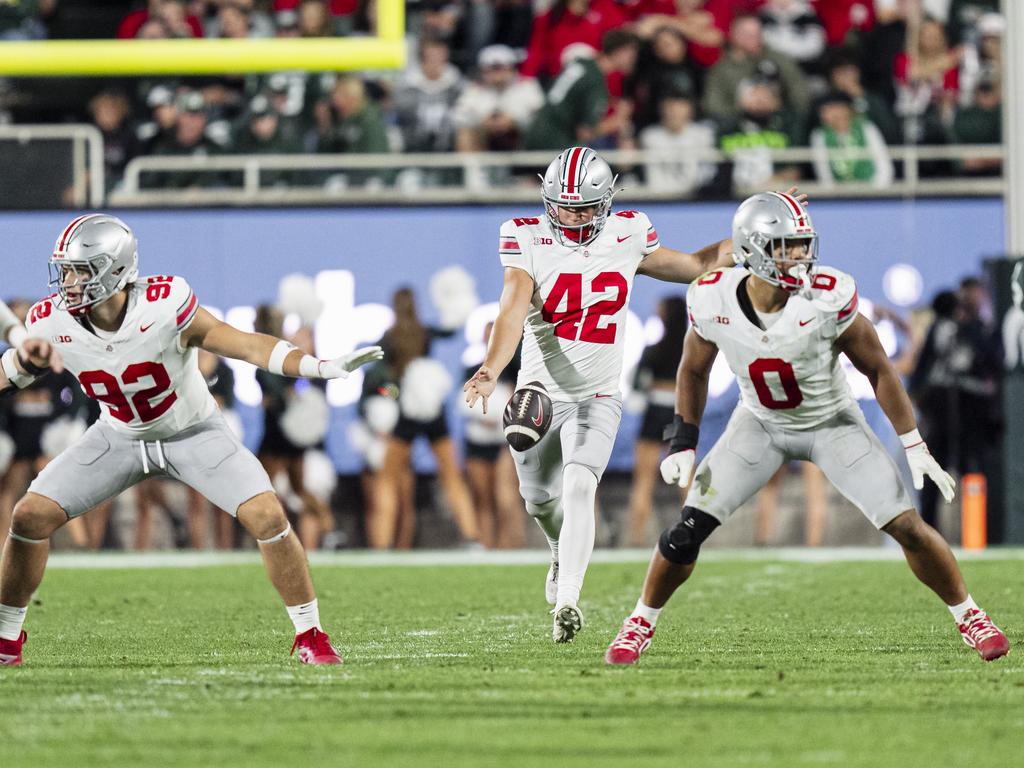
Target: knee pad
point(681, 544)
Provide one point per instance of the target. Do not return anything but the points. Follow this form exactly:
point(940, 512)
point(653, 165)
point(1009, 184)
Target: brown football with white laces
point(527, 416)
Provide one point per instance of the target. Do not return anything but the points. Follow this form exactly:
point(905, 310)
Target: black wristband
point(681, 435)
point(30, 368)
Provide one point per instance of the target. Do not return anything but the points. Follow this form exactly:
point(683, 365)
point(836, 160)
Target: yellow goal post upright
point(84, 58)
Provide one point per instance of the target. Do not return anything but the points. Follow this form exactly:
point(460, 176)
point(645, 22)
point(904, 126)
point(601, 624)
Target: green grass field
point(758, 663)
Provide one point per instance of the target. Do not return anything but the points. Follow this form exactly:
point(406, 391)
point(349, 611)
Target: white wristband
point(17, 335)
point(910, 439)
point(309, 367)
point(277, 356)
point(17, 377)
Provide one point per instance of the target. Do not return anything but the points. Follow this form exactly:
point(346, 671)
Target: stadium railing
point(408, 178)
point(75, 167)
point(498, 177)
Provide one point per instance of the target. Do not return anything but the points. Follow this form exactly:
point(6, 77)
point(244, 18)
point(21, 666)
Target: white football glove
point(341, 367)
point(677, 467)
point(923, 463)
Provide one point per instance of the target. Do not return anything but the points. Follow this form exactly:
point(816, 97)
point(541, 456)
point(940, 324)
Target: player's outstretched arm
point(269, 352)
point(860, 343)
point(23, 364)
point(513, 307)
point(11, 329)
point(691, 396)
point(679, 267)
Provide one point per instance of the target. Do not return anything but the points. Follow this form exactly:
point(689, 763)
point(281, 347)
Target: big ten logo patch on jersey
point(63, 339)
point(543, 241)
point(720, 319)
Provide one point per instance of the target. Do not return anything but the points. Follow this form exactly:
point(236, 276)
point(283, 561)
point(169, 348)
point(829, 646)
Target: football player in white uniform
point(782, 323)
point(568, 277)
point(132, 343)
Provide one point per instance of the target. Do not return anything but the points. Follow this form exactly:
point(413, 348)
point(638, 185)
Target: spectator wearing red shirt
point(133, 22)
point(703, 23)
point(927, 72)
point(568, 22)
point(840, 17)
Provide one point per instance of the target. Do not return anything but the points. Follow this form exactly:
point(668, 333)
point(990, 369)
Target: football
point(527, 416)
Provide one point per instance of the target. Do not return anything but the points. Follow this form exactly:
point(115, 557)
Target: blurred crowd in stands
point(846, 78)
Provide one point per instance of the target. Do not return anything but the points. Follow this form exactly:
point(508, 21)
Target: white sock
point(645, 612)
point(304, 617)
point(11, 621)
point(576, 541)
point(958, 611)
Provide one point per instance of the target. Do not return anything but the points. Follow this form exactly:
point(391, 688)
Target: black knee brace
point(681, 544)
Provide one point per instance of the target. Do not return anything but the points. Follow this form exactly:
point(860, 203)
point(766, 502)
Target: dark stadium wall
point(235, 258)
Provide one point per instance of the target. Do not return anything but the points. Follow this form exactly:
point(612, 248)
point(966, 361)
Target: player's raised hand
point(801, 197)
point(41, 354)
point(341, 367)
point(480, 386)
point(677, 467)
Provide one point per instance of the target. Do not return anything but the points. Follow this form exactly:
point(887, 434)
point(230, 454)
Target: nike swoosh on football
point(620, 239)
point(539, 418)
point(805, 322)
point(144, 328)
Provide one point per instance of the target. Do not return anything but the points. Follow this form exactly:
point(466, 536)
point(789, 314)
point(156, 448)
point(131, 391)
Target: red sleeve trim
point(184, 314)
point(850, 308)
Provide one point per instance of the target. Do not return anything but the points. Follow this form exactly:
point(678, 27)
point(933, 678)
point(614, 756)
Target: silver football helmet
point(764, 229)
point(104, 255)
point(578, 178)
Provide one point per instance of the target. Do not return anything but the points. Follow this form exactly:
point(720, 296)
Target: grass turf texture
point(754, 663)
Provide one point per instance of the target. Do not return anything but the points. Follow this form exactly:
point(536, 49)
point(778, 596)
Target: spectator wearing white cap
point(982, 56)
point(494, 110)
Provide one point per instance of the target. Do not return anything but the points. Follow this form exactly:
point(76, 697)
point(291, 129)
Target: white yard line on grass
point(505, 557)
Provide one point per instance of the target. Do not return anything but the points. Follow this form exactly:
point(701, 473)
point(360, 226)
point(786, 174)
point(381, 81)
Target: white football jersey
point(574, 335)
point(789, 374)
point(147, 385)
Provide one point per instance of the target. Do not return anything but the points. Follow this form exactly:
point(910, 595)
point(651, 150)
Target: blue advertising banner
point(900, 252)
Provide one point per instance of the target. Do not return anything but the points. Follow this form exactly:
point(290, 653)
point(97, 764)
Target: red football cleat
point(10, 651)
point(632, 640)
point(315, 647)
point(982, 635)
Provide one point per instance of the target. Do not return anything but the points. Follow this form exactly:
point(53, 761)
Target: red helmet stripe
point(797, 210)
point(570, 184)
point(62, 241)
point(70, 229)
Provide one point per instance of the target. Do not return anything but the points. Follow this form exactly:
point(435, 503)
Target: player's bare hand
point(42, 354)
point(801, 197)
point(480, 387)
